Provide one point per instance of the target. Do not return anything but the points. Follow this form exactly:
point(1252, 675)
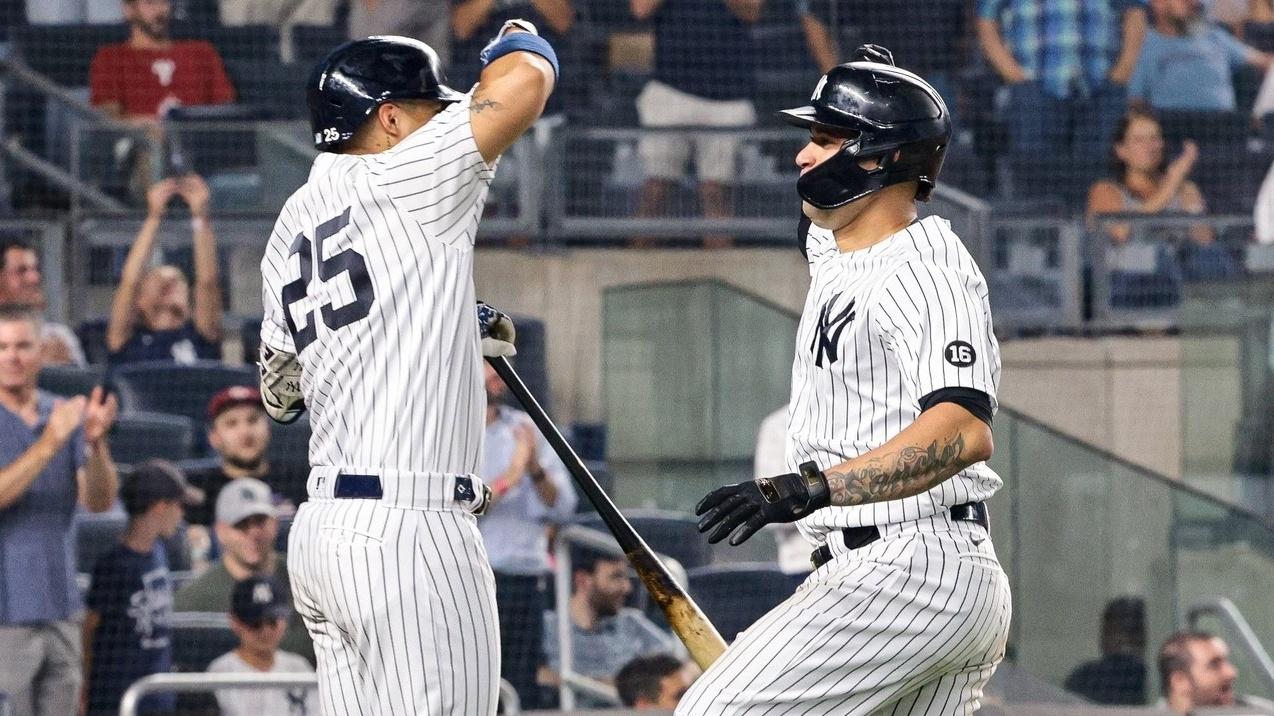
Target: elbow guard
point(281, 385)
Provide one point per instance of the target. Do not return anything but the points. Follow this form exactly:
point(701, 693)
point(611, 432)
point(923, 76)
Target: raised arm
point(558, 14)
point(467, 17)
point(17, 476)
point(207, 314)
point(123, 312)
point(512, 89)
point(819, 39)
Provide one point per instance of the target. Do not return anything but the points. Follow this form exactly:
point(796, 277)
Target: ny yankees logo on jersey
point(827, 334)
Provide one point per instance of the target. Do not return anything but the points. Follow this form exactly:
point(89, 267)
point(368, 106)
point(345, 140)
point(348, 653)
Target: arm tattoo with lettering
point(909, 471)
point(480, 103)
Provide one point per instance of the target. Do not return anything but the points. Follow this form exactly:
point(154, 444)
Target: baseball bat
point(684, 616)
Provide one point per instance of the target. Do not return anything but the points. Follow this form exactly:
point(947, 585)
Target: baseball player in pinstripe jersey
point(893, 391)
point(369, 324)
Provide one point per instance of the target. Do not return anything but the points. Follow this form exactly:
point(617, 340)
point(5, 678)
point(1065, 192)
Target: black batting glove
point(740, 510)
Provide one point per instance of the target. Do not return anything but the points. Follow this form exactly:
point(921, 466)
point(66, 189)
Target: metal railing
point(572, 681)
point(205, 683)
point(1225, 610)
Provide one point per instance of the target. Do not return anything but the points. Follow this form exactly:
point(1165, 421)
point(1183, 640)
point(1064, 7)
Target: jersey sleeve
point(437, 175)
point(937, 323)
point(274, 276)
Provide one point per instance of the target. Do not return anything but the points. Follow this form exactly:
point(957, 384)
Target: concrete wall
point(565, 290)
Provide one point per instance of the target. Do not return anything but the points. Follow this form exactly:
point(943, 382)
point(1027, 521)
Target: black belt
point(367, 487)
point(858, 537)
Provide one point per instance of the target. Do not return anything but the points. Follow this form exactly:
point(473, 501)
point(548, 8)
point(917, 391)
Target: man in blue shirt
point(605, 635)
point(1188, 63)
point(704, 77)
point(53, 454)
point(1066, 64)
point(127, 630)
point(530, 492)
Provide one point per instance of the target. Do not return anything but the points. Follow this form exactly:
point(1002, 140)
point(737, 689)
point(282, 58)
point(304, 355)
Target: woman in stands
point(1148, 262)
point(151, 316)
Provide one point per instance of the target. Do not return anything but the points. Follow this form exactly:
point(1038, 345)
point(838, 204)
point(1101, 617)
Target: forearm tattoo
point(906, 472)
point(481, 103)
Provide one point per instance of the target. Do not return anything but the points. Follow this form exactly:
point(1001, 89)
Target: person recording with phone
point(152, 317)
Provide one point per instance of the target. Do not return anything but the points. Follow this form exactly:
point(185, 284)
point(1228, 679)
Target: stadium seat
point(94, 535)
point(92, 335)
point(290, 444)
point(63, 52)
point(140, 436)
point(238, 43)
point(311, 43)
point(672, 533)
point(68, 380)
point(164, 387)
point(199, 638)
point(1259, 35)
point(736, 595)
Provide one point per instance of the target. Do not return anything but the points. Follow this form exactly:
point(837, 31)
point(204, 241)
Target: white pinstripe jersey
point(368, 279)
point(882, 328)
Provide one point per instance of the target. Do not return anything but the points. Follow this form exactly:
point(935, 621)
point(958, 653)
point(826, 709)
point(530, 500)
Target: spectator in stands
point(425, 20)
point(150, 73)
point(150, 315)
point(127, 633)
point(704, 77)
point(246, 527)
point(530, 491)
point(20, 285)
point(924, 38)
point(239, 433)
point(605, 634)
point(1195, 670)
point(652, 683)
point(283, 14)
point(259, 613)
point(1066, 65)
point(1119, 676)
point(1144, 182)
point(1187, 63)
point(53, 454)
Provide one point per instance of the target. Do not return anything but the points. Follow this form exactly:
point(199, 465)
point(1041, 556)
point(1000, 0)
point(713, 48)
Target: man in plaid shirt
point(1066, 64)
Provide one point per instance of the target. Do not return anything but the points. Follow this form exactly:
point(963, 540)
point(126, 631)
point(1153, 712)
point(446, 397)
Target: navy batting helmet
point(884, 111)
point(360, 75)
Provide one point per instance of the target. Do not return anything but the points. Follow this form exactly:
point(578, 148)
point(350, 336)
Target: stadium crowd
point(1042, 103)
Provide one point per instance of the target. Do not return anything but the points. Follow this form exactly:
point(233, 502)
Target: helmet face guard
point(841, 179)
point(888, 114)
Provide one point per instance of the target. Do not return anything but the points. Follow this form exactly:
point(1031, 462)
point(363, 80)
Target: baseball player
point(893, 390)
point(369, 323)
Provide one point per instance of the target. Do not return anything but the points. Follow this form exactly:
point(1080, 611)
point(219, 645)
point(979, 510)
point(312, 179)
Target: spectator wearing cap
point(21, 285)
point(53, 455)
point(239, 432)
point(259, 616)
point(127, 632)
point(246, 527)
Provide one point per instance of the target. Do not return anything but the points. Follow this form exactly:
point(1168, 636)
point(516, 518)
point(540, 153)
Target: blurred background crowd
point(1111, 169)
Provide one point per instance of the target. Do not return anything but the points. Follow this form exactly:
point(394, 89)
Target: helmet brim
point(803, 117)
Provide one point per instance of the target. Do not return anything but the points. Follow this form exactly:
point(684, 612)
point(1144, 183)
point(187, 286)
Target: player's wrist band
point(520, 42)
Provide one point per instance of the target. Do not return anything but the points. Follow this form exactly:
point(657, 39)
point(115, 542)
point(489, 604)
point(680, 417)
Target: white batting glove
point(497, 331)
point(281, 385)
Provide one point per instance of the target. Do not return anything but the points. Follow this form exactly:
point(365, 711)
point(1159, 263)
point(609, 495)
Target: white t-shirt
point(258, 702)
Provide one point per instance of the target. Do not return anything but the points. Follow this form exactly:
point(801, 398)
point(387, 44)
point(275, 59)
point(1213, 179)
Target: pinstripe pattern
point(911, 624)
point(914, 293)
point(396, 592)
point(401, 605)
point(915, 622)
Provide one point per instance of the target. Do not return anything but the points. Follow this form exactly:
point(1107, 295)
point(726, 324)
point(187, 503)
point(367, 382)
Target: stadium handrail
point(1229, 614)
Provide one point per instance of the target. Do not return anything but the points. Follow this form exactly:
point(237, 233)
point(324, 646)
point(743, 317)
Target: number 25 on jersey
point(348, 261)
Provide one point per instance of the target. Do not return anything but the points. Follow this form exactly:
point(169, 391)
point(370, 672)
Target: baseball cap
point(156, 480)
point(242, 498)
point(233, 397)
point(258, 598)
